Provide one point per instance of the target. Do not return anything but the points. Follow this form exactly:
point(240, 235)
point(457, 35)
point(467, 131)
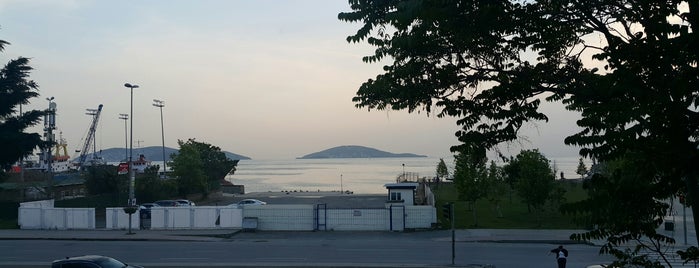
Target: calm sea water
point(359, 175)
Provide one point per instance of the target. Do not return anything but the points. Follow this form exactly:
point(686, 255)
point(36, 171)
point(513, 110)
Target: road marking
point(184, 259)
point(282, 259)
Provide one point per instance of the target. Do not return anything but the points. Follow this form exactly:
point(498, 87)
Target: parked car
point(91, 261)
point(148, 205)
point(185, 203)
point(249, 202)
point(167, 203)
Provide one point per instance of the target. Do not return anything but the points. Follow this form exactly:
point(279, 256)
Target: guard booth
point(399, 196)
point(401, 193)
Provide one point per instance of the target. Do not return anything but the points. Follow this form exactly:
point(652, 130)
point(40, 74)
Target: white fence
point(56, 218)
point(269, 217)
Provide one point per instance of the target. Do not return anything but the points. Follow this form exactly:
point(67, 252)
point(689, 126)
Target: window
point(395, 196)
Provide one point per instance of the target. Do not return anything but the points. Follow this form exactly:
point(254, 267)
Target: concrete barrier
point(42, 215)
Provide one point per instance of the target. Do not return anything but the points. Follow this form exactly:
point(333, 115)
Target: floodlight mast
point(160, 104)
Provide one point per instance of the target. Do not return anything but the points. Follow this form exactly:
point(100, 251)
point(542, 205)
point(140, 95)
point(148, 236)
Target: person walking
point(561, 256)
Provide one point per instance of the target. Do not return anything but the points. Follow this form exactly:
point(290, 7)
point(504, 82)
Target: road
point(371, 249)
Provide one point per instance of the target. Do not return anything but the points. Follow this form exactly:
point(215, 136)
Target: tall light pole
point(21, 165)
point(125, 117)
point(160, 104)
point(132, 180)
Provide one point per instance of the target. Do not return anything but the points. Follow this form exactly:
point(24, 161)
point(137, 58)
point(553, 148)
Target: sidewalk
point(108, 235)
point(211, 235)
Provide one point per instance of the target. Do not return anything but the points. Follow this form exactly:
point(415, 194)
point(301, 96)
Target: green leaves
point(200, 167)
point(15, 90)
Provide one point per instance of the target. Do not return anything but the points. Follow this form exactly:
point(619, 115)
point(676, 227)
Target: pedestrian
point(561, 256)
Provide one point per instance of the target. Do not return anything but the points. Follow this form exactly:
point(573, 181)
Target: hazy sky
point(268, 79)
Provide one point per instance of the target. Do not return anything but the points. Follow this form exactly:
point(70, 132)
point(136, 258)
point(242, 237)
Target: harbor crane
point(90, 136)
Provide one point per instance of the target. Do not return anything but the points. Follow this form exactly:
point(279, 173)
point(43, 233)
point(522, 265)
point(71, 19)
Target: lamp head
point(130, 86)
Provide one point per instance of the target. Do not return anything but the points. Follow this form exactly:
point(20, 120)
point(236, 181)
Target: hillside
point(353, 151)
point(152, 153)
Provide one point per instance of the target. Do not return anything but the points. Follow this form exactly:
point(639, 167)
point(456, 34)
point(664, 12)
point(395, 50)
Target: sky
point(267, 79)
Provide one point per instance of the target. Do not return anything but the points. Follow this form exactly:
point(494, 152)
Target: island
point(354, 151)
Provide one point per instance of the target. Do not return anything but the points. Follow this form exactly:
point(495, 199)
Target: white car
point(184, 203)
point(249, 202)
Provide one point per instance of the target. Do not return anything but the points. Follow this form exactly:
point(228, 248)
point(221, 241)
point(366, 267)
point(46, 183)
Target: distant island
point(152, 153)
point(353, 151)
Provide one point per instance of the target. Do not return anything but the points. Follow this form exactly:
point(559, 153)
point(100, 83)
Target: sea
point(356, 175)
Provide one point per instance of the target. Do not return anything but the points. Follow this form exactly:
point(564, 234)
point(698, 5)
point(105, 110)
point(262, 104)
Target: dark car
point(91, 261)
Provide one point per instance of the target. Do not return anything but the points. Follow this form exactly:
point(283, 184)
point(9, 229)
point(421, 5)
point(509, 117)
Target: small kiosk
point(401, 193)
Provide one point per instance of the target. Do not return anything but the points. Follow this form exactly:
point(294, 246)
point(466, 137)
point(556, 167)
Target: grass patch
point(515, 214)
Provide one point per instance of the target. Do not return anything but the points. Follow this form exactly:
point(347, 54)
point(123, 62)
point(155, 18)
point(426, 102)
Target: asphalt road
point(380, 249)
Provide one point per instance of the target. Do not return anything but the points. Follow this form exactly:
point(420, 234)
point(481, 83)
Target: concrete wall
point(282, 217)
point(199, 217)
point(56, 218)
point(42, 215)
point(116, 218)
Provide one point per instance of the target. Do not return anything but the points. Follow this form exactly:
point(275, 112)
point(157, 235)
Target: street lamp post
point(132, 179)
point(125, 117)
point(160, 104)
point(404, 172)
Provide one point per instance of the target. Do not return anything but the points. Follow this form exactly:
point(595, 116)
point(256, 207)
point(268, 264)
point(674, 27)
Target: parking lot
point(332, 199)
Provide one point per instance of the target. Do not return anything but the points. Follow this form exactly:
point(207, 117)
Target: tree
point(535, 179)
point(188, 167)
point(629, 67)
point(103, 179)
point(151, 188)
point(15, 90)
point(470, 178)
point(634, 208)
point(496, 187)
point(442, 171)
point(200, 167)
point(582, 169)
point(216, 164)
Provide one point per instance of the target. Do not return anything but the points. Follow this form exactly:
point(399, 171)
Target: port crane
point(90, 136)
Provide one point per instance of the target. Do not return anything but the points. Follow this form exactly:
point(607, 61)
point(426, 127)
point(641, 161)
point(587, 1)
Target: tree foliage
point(496, 187)
point(534, 178)
point(623, 208)
point(103, 179)
point(629, 67)
point(200, 167)
point(16, 89)
point(151, 188)
point(470, 179)
point(581, 169)
point(442, 170)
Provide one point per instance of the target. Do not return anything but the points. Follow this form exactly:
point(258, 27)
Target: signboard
point(123, 168)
